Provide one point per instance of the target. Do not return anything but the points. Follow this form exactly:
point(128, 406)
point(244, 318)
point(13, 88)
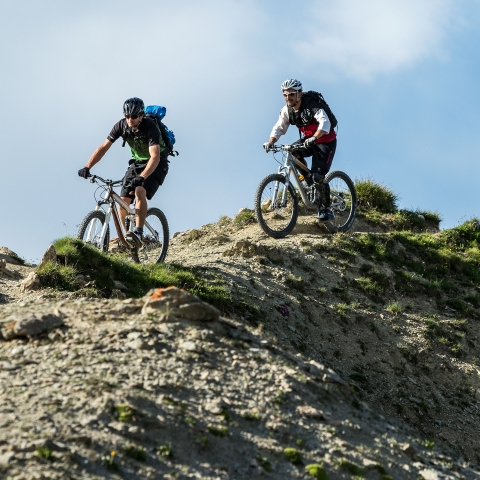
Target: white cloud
point(365, 38)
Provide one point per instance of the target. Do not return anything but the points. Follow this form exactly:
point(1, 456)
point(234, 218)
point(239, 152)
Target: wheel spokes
point(276, 205)
point(341, 201)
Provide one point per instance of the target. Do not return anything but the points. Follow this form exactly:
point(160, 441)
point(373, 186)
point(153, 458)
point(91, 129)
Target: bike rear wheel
point(343, 201)
point(155, 237)
point(91, 229)
point(276, 206)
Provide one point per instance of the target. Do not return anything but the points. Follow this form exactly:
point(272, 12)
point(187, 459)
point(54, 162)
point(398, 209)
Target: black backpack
point(305, 115)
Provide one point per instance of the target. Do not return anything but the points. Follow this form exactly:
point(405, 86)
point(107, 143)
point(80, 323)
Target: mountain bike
point(95, 228)
point(277, 201)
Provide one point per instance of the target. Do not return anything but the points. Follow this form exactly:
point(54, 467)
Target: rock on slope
point(164, 388)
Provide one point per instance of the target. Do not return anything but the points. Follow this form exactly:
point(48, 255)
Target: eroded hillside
point(396, 314)
point(393, 314)
point(162, 387)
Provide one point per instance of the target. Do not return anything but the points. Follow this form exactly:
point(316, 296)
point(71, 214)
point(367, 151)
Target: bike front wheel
point(276, 206)
point(343, 198)
point(155, 237)
point(90, 230)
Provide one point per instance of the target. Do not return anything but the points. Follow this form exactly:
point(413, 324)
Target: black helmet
point(133, 106)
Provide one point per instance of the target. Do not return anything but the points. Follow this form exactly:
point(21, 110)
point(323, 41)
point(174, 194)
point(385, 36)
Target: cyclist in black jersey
point(147, 168)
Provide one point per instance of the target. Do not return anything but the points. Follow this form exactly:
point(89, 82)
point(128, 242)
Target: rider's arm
point(99, 153)
point(153, 162)
point(324, 125)
point(281, 127)
point(319, 133)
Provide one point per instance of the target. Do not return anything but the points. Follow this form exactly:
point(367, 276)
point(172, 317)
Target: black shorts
point(322, 155)
point(152, 182)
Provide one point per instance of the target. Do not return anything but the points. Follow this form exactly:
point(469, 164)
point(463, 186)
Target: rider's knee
point(140, 193)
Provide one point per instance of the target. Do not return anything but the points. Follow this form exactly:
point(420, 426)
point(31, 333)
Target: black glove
point(138, 181)
point(84, 172)
point(268, 146)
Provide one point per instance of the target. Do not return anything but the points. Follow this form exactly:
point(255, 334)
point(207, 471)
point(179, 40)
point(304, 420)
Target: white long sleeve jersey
point(281, 127)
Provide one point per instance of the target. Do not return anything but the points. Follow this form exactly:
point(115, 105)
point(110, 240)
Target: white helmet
point(291, 84)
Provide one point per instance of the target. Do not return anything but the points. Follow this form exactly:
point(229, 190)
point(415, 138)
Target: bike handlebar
point(107, 182)
point(277, 148)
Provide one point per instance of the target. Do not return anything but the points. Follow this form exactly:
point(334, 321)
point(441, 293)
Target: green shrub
point(316, 471)
point(342, 309)
point(124, 412)
point(45, 453)
point(223, 221)
point(218, 431)
point(76, 257)
point(369, 286)
point(295, 282)
point(293, 455)
point(165, 451)
point(59, 276)
point(415, 220)
point(395, 307)
point(244, 218)
point(465, 235)
point(375, 196)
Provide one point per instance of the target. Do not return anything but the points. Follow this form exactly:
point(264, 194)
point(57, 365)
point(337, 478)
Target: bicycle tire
point(277, 222)
point(155, 245)
point(344, 201)
point(84, 230)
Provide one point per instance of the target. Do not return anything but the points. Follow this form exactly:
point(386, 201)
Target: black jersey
point(147, 135)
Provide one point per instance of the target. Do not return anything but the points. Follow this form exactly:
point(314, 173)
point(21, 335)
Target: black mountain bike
point(276, 199)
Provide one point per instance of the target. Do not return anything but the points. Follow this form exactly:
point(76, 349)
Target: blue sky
point(401, 77)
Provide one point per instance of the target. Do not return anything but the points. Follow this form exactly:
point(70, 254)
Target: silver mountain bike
point(277, 201)
point(95, 228)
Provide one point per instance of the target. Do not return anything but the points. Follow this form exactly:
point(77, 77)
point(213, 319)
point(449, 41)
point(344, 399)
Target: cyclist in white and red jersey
point(305, 112)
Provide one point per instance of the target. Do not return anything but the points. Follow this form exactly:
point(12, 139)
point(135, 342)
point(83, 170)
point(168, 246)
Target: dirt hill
point(393, 315)
point(362, 304)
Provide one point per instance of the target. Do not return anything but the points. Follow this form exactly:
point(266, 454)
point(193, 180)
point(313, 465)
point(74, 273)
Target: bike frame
point(286, 169)
point(289, 167)
point(110, 198)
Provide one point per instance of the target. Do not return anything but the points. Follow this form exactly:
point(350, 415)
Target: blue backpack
point(157, 113)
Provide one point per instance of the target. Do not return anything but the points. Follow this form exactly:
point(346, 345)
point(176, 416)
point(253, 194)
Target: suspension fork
point(285, 171)
point(95, 220)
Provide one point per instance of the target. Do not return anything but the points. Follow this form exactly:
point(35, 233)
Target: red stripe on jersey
point(310, 129)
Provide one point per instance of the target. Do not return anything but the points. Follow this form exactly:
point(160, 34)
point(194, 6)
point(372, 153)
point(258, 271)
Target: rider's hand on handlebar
point(138, 181)
point(310, 141)
point(84, 172)
point(268, 146)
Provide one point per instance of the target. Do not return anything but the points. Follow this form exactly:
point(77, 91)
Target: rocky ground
point(303, 289)
point(130, 389)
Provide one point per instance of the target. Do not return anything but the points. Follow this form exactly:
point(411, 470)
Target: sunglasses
point(133, 117)
point(286, 95)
